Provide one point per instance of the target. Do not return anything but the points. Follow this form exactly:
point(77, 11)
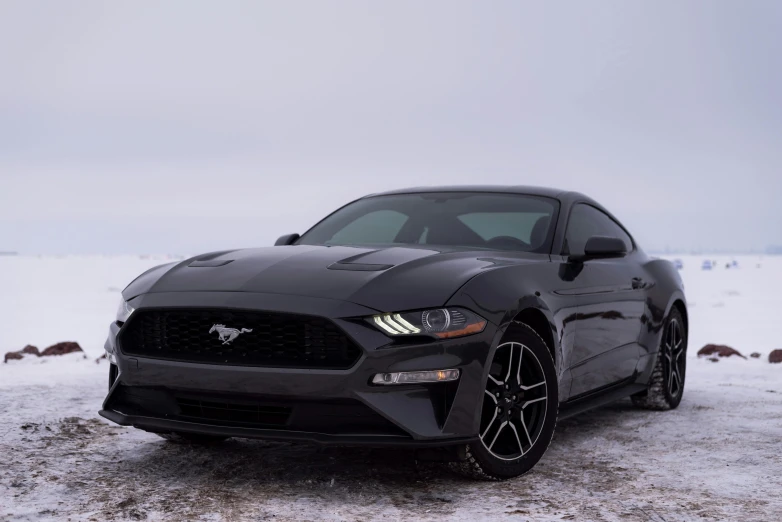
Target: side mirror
point(287, 239)
point(601, 247)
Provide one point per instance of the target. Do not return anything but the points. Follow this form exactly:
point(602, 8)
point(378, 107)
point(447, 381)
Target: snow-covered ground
point(716, 457)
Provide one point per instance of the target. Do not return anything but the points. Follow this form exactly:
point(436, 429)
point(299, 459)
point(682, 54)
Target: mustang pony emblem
point(227, 334)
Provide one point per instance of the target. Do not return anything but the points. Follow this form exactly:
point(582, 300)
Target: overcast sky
point(192, 126)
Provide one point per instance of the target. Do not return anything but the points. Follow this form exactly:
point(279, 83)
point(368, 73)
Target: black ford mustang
point(461, 321)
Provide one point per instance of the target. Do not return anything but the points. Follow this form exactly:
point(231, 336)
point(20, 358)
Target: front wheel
point(519, 408)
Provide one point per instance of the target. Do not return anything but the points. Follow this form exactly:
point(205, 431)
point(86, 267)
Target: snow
point(714, 458)
point(46, 300)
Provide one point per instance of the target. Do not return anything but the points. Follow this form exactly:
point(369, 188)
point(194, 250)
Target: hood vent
point(359, 267)
point(210, 262)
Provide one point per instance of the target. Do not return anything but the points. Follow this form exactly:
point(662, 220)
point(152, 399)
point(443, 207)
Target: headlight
point(442, 323)
point(124, 311)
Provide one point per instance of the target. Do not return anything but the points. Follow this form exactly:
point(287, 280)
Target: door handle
point(638, 283)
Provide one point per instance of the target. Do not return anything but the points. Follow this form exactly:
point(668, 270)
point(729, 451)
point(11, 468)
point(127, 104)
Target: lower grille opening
point(328, 416)
point(255, 414)
point(332, 416)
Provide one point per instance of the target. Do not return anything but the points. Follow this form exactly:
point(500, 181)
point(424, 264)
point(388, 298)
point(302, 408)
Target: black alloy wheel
point(519, 409)
point(514, 405)
point(673, 351)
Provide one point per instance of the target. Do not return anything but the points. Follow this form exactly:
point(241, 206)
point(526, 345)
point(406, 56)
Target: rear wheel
point(666, 386)
point(519, 410)
point(192, 438)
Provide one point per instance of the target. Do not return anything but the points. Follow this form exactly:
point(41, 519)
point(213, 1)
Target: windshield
point(454, 219)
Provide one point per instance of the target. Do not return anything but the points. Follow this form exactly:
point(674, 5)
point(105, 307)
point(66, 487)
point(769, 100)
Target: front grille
point(275, 340)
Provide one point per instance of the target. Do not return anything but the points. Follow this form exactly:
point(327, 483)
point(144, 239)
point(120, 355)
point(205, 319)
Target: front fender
point(502, 295)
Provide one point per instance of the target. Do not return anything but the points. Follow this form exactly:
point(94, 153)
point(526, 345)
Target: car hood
point(387, 279)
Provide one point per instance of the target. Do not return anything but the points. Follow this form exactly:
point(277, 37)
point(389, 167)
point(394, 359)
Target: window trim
point(606, 214)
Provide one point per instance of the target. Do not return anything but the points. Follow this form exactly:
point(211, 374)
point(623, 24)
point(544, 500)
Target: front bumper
point(323, 406)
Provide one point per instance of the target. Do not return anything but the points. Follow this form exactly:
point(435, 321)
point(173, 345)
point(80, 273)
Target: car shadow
point(280, 463)
point(143, 474)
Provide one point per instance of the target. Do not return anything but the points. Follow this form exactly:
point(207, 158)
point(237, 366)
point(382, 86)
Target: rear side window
point(586, 221)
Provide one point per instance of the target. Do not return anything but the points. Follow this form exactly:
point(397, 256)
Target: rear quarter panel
point(667, 287)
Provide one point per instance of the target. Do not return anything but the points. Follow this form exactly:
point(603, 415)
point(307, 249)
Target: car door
point(610, 304)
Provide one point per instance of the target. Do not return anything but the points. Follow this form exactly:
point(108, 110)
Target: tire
point(192, 438)
point(666, 385)
point(517, 418)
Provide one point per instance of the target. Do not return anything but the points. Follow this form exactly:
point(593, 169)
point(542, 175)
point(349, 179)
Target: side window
point(381, 226)
point(586, 221)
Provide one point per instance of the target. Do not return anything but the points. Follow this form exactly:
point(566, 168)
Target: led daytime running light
point(407, 325)
point(395, 324)
point(379, 321)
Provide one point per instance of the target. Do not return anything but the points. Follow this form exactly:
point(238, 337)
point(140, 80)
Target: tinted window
point(489, 225)
point(461, 219)
point(381, 226)
point(586, 221)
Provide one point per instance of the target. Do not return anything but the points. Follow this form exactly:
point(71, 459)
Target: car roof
point(507, 189)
